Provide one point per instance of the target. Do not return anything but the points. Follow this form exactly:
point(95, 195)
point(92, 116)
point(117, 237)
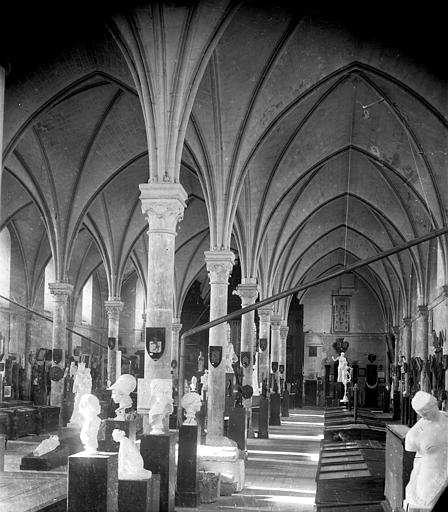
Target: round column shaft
point(422, 345)
point(60, 292)
point(264, 315)
point(163, 205)
point(282, 355)
point(113, 307)
point(407, 347)
point(219, 267)
point(275, 349)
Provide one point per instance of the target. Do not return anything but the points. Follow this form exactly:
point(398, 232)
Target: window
point(312, 351)
point(5, 262)
point(49, 278)
point(87, 298)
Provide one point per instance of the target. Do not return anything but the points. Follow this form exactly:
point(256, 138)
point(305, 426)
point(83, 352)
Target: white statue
point(193, 383)
point(429, 439)
point(204, 382)
point(342, 367)
point(124, 385)
point(89, 408)
point(230, 355)
point(82, 385)
point(130, 462)
point(191, 402)
point(46, 446)
point(160, 404)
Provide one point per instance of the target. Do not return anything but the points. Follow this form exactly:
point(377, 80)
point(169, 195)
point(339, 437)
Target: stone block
point(237, 430)
point(263, 420)
point(158, 452)
point(92, 482)
point(139, 495)
point(275, 408)
point(187, 490)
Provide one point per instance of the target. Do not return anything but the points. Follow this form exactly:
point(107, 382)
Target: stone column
point(176, 327)
point(282, 355)
point(397, 350)
point(422, 345)
point(114, 307)
point(248, 292)
point(163, 205)
point(2, 112)
point(219, 267)
point(275, 347)
point(407, 347)
point(60, 292)
point(264, 314)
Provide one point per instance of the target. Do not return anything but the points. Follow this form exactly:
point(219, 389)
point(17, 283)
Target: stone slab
point(139, 495)
point(187, 489)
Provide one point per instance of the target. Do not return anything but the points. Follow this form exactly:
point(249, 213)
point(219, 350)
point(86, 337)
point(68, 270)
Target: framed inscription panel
point(341, 313)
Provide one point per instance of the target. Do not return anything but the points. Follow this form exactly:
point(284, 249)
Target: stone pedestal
point(187, 490)
point(69, 437)
point(92, 482)
point(238, 427)
point(399, 465)
point(139, 495)
point(275, 407)
point(158, 456)
point(285, 404)
point(263, 420)
point(108, 444)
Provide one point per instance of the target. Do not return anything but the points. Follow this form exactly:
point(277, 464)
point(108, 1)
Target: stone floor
point(280, 471)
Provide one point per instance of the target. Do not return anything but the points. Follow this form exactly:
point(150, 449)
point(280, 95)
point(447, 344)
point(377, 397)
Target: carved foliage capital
point(248, 293)
point(163, 204)
point(60, 291)
point(113, 308)
point(276, 321)
point(265, 313)
point(423, 311)
point(284, 329)
point(219, 266)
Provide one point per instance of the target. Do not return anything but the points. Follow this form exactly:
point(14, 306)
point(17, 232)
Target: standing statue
point(342, 373)
point(130, 462)
point(89, 408)
point(230, 356)
point(429, 439)
point(121, 389)
point(160, 404)
point(82, 385)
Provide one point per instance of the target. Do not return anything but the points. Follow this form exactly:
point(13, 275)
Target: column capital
point(163, 204)
point(407, 321)
point(219, 265)
point(59, 289)
point(265, 312)
point(284, 329)
point(423, 310)
point(248, 292)
point(396, 330)
point(113, 307)
point(176, 325)
point(445, 290)
point(276, 321)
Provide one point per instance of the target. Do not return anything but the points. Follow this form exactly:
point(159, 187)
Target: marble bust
point(121, 389)
point(429, 439)
point(160, 405)
point(191, 402)
point(130, 462)
point(89, 408)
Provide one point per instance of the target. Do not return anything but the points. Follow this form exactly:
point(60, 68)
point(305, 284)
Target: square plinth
point(187, 490)
point(139, 495)
point(92, 482)
point(158, 452)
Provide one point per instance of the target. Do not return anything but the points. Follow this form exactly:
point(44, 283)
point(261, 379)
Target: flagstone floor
point(280, 472)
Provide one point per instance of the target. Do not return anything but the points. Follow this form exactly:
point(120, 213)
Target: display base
point(92, 482)
point(139, 495)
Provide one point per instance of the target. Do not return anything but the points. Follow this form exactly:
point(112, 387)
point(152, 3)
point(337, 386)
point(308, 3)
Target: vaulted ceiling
point(327, 133)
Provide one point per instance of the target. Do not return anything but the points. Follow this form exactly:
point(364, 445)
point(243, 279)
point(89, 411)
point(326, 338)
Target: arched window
point(49, 278)
point(5, 262)
point(87, 300)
